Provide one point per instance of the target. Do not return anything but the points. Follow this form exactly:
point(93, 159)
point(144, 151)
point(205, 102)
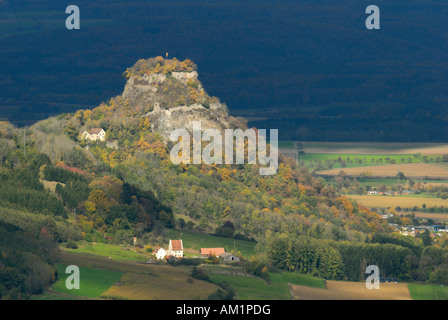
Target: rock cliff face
point(165, 121)
point(173, 100)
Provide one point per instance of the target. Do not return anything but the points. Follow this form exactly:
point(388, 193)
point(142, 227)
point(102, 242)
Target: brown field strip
point(433, 216)
point(341, 290)
point(375, 148)
point(414, 170)
point(374, 201)
point(134, 286)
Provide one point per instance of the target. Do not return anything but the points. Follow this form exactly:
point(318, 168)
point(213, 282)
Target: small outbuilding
point(228, 257)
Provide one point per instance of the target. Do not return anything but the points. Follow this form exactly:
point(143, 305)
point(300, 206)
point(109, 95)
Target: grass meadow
point(108, 250)
point(249, 288)
point(428, 292)
point(93, 282)
point(195, 241)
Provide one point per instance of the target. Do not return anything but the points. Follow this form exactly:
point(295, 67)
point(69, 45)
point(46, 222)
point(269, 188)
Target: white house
point(176, 248)
point(94, 134)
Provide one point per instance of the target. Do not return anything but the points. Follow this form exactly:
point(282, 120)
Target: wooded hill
point(106, 194)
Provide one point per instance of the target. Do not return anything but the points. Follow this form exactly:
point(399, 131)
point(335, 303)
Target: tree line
point(396, 257)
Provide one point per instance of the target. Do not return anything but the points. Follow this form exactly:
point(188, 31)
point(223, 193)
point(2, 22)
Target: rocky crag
point(170, 94)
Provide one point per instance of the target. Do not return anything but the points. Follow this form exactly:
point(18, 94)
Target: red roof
point(176, 245)
point(95, 130)
point(212, 251)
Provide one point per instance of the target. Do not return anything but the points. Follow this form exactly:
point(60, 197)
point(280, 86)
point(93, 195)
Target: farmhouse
point(176, 248)
point(206, 252)
point(94, 134)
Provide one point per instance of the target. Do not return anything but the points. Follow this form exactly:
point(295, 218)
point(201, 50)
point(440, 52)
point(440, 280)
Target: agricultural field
point(412, 170)
point(375, 148)
point(381, 201)
point(93, 281)
point(428, 292)
point(432, 216)
point(379, 160)
point(250, 288)
point(193, 242)
point(342, 290)
point(108, 250)
point(359, 160)
point(391, 182)
point(112, 279)
point(174, 286)
point(103, 278)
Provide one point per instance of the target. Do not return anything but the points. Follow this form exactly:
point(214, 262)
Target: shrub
point(71, 245)
point(200, 274)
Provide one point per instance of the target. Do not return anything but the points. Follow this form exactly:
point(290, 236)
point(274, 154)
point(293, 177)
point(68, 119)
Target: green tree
point(426, 237)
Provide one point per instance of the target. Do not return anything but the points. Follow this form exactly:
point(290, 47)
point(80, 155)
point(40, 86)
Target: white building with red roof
point(94, 134)
point(176, 248)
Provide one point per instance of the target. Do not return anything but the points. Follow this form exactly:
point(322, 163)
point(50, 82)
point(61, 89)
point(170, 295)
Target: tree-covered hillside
point(291, 201)
point(57, 184)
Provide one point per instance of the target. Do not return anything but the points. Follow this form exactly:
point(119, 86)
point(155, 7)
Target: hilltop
point(169, 94)
point(90, 190)
point(136, 170)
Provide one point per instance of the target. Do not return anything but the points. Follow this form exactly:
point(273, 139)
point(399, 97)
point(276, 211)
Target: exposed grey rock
point(142, 92)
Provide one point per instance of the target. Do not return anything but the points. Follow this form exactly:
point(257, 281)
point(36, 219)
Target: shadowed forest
point(310, 68)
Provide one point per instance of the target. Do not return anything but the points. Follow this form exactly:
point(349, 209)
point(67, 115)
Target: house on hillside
point(207, 252)
point(94, 134)
point(176, 248)
point(228, 257)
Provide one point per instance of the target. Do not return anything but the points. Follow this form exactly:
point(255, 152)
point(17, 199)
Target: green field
point(428, 292)
point(93, 282)
point(358, 160)
point(377, 147)
point(98, 279)
point(249, 288)
point(393, 182)
point(196, 241)
point(108, 250)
